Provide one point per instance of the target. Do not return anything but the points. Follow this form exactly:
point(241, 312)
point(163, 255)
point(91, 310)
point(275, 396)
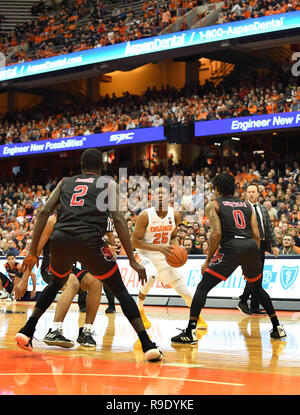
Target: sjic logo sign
point(118, 138)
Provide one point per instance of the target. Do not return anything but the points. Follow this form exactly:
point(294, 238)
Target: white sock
point(57, 325)
point(88, 327)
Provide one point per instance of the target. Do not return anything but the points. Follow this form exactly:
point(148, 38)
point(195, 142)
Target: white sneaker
point(3, 294)
point(10, 298)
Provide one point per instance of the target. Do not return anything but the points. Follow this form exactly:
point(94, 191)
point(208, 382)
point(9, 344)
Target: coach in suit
point(268, 243)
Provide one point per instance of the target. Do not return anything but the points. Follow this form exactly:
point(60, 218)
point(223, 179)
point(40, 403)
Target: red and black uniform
point(80, 228)
point(237, 244)
point(8, 281)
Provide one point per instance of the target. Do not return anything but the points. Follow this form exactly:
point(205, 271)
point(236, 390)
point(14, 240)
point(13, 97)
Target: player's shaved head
point(91, 160)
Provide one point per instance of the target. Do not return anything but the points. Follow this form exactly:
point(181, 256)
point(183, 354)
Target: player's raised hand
point(140, 270)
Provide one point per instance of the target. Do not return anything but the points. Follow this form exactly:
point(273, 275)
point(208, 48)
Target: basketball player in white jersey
point(154, 234)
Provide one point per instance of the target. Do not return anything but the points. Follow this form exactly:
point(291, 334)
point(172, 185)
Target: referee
point(268, 243)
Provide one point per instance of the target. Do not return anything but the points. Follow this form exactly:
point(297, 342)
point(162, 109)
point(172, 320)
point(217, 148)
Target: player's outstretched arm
point(40, 224)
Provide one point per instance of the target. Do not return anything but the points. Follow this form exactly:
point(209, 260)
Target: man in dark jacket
point(268, 244)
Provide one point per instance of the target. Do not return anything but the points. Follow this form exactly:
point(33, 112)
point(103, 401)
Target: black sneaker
point(243, 307)
point(278, 333)
point(185, 337)
point(110, 310)
point(85, 338)
point(56, 338)
point(151, 352)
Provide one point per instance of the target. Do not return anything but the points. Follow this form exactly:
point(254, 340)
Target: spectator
point(11, 249)
point(287, 246)
point(190, 248)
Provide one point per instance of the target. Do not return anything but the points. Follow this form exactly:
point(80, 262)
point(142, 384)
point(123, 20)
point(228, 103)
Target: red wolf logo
point(216, 259)
point(107, 253)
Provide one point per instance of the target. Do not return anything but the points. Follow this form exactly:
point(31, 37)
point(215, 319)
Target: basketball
point(178, 257)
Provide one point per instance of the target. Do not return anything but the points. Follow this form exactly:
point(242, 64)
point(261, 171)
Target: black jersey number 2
point(79, 191)
point(239, 219)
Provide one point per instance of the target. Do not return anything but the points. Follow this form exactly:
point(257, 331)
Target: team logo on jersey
point(288, 276)
point(107, 253)
point(216, 259)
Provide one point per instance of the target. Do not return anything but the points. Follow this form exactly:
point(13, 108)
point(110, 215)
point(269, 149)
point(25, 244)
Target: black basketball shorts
point(234, 253)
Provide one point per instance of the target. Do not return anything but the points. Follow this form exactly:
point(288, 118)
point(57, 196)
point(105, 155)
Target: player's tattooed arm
point(42, 218)
point(32, 258)
point(215, 230)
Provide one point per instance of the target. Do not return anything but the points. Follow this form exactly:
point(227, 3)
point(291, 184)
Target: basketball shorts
point(157, 266)
point(88, 249)
point(234, 253)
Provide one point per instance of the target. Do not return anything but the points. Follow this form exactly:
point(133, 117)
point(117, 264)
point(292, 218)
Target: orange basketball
point(178, 257)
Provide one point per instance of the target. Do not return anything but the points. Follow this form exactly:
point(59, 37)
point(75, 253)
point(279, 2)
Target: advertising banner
point(248, 124)
point(171, 41)
point(110, 139)
point(281, 279)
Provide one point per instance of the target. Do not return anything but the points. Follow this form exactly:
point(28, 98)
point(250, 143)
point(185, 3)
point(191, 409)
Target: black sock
point(145, 340)
point(29, 327)
point(274, 321)
point(191, 326)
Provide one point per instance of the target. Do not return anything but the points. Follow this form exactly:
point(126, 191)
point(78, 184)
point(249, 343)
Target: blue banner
point(111, 139)
point(248, 124)
point(203, 35)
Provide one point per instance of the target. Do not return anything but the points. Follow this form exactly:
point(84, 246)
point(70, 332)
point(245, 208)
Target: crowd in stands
point(58, 30)
point(20, 202)
point(252, 94)
point(233, 10)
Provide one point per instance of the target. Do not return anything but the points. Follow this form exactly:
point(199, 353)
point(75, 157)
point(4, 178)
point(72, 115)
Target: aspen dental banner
point(137, 136)
point(193, 37)
point(248, 124)
point(281, 278)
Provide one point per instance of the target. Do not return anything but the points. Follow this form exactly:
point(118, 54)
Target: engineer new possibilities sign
point(171, 41)
point(112, 139)
point(248, 124)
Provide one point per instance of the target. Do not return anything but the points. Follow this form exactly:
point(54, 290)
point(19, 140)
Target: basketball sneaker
point(3, 294)
point(23, 341)
point(85, 338)
point(151, 352)
point(278, 332)
point(56, 338)
point(185, 337)
point(10, 298)
point(145, 321)
point(201, 323)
